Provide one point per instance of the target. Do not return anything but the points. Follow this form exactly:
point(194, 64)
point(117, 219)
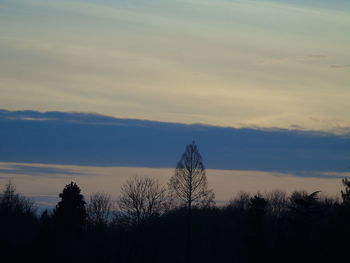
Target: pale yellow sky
point(225, 183)
point(220, 62)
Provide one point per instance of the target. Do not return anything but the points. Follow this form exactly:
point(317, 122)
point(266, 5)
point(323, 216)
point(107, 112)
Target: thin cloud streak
point(36, 170)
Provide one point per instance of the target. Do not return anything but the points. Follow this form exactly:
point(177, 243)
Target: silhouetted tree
point(240, 201)
point(189, 185)
point(346, 193)
point(18, 224)
point(13, 203)
point(257, 205)
point(142, 199)
point(70, 213)
point(255, 234)
point(99, 208)
point(277, 202)
point(304, 204)
point(308, 229)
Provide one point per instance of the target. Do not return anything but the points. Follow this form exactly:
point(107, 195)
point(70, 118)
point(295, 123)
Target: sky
point(96, 140)
point(43, 182)
point(42, 152)
point(231, 63)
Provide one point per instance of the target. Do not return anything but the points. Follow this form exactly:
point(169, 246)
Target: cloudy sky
point(222, 62)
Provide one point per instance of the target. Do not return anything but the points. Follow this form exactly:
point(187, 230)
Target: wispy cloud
point(325, 175)
point(36, 170)
point(317, 56)
point(337, 66)
point(217, 62)
point(272, 61)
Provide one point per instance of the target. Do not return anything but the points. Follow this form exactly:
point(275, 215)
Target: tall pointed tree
point(189, 185)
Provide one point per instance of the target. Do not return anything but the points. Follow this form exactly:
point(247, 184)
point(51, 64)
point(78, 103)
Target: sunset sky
point(232, 63)
point(272, 67)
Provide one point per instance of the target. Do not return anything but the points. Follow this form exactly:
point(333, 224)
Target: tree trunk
point(188, 234)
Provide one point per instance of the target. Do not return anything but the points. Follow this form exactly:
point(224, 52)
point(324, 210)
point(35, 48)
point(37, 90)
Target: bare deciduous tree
point(99, 208)
point(189, 183)
point(240, 201)
point(142, 199)
point(277, 200)
point(12, 202)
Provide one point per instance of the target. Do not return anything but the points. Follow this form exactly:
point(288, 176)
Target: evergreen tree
point(70, 213)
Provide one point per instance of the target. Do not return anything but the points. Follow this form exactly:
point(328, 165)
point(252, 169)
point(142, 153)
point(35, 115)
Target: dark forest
point(179, 222)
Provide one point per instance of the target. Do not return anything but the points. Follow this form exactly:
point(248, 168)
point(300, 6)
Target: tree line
point(176, 223)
